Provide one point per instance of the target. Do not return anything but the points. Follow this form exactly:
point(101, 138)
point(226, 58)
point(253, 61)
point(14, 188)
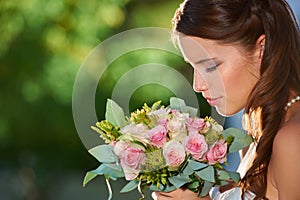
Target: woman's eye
point(211, 68)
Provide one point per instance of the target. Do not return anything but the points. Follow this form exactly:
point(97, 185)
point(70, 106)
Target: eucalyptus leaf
point(187, 170)
point(169, 188)
point(240, 141)
point(112, 170)
point(235, 176)
point(104, 153)
point(114, 113)
point(206, 188)
point(179, 181)
point(222, 183)
point(88, 177)
point(161, 188)
point(177, 104)
point(130, 186)
point(207, 174)
point(192, 111)
point(194, 165)
point(223, 175)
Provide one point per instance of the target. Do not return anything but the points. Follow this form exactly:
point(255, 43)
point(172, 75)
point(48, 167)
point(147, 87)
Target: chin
point(227, 112)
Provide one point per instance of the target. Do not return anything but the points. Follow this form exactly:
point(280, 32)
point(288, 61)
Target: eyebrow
point(205, 60)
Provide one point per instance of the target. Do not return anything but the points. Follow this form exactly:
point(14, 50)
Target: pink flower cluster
point(175, 134)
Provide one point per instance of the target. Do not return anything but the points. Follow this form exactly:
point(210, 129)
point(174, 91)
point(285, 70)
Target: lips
point(212, 101)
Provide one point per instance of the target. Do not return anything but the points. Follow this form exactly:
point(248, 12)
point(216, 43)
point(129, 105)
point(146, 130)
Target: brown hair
point(242, 22)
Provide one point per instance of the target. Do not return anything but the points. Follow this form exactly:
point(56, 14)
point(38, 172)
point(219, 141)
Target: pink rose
point(195, 124)
point(113, 143)
point(130, 173)
point(120, 147)
point(196, 145)
point(135, 131)
point(162, 122)
point(174, 153)
point(178, 115)
point(217, 153)
point(205, 128)
point(130, 160)
point(177, 129)
point(158, 136)
point(175, 125)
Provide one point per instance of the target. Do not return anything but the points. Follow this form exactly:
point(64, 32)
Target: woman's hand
point(178, 194)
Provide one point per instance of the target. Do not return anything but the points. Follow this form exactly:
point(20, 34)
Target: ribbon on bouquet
point(109, 188)
point(141, 191)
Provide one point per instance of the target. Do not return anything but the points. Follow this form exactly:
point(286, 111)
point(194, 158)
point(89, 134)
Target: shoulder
point(285, 160)
point(286, 144)
point(288, 137)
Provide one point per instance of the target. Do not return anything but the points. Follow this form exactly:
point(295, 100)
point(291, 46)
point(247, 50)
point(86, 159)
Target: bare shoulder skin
point(284, 168)
point(179, 194)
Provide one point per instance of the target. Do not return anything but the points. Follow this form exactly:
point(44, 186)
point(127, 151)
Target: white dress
point(235, 193)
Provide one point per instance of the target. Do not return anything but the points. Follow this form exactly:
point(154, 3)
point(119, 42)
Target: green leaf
point(177, 104)
point(160, 188)
point(223, 175)
point(235, 176)
point(192, 111)
point(195, 165)
point(112, 170)
point(193, 186)
point(130, 186)
point(207, 174)
point(179, 181)
point(104, 153)
point(187, 170)
point(88, 177)
point(114, 113)
point(240, 141)
point(206, 188)
point(169, 188)
point(222, 183)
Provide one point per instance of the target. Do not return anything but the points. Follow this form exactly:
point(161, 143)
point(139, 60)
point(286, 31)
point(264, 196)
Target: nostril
point(198, 88)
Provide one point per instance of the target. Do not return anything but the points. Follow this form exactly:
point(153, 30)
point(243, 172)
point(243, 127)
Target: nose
point(199, 83)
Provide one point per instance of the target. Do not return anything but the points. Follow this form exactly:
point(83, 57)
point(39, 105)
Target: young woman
point(246, 54)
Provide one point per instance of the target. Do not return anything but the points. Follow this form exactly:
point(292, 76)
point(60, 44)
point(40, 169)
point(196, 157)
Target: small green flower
point(107, 131)
point(211, 137)
point(140, 117)
point(157, 177)
point(154, 161)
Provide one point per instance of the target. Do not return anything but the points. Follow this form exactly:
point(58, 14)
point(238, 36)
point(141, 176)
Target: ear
point(260, 46)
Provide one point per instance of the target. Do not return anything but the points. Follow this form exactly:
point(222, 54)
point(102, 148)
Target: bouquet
point(164, 148)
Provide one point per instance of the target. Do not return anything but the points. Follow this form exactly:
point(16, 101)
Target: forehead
point(194, 49)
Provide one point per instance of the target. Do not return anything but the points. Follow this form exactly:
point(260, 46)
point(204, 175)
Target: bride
point(246, 54)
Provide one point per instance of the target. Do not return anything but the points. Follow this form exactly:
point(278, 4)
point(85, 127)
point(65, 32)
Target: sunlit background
point(42, 45)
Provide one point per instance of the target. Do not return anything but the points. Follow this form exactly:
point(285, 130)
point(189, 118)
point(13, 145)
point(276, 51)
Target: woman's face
point(222, 73)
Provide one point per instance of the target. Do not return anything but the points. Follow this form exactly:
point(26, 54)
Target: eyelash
point(211, 69)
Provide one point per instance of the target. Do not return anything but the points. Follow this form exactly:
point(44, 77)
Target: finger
point(154, 196)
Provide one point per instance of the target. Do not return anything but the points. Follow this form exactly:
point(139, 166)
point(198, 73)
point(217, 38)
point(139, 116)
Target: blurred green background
point(42, 45)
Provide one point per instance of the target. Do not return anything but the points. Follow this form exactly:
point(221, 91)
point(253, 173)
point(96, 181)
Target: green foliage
point(114, 114)
point(240, 140)
point(104, 154)
point(179, 104)
point(130, 186)
point(42, 45)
